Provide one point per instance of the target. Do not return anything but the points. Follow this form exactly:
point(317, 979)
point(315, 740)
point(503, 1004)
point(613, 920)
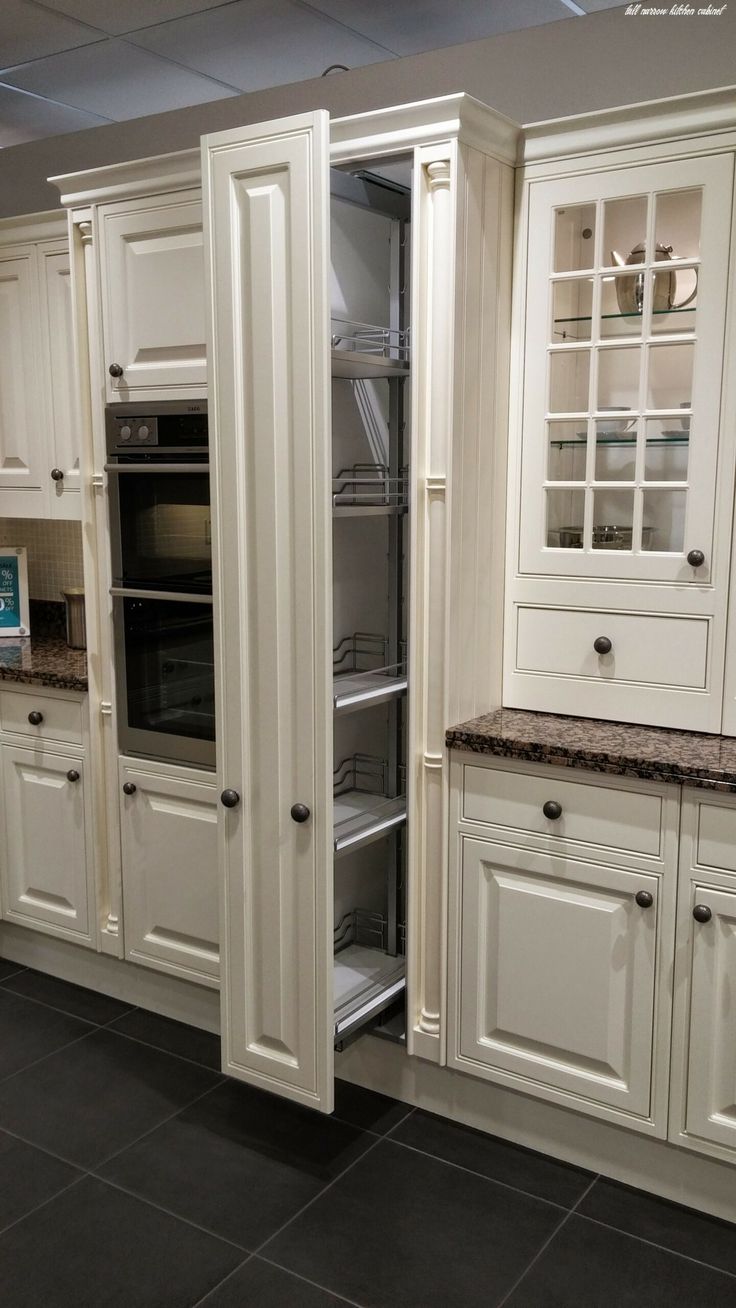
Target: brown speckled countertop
point(43, 660)
point(686, 758)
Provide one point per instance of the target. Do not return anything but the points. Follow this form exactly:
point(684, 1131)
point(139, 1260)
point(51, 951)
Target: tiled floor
point(133, 1175)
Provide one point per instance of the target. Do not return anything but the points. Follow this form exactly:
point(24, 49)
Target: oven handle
point(129, 592)
point(157, 467)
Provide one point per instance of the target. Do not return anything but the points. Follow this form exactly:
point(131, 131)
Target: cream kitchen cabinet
point(168, 825)
point(39, 438)
point(561, 915)
point(152, 278)
point(305, 363)
point(704, 1063)
point(621, 491)
point(48, 860)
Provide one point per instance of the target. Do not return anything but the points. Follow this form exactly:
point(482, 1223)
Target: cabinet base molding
point(167, 995)
point(653, 1165)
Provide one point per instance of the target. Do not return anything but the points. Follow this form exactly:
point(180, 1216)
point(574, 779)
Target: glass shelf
point(614, 441)
point(656, 313)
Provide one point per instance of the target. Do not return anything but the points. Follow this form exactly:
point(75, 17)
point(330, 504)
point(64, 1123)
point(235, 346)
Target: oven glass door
point(161, 528)
point(166, 678)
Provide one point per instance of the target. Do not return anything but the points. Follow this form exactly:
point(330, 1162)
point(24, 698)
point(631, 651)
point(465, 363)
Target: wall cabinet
point(299, 383)
point(168, 825)
point(153, 310)
point(48, 879)
point(619, 541)
point(39, 437)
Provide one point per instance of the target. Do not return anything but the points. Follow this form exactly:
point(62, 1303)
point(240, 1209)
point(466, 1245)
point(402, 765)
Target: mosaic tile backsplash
point(54, 553)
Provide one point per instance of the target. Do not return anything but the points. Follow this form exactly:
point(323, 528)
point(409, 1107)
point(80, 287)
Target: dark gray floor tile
point(28, 1178)
point(95, 1247)
point(29, 1032)
point(174, 1037)
point(367, 1109)
point(681, 1229)
point(259, 1285)
point(591, 1265)
point(9, 969)
point(88, 1005)
point(97, 1096)
point(238, 1162)
point(498, 1159)
point(401, 1228)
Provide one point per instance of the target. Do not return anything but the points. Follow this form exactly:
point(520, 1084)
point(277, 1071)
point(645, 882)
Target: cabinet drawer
point(646, 648)
point(592, 814)
point(61, 719)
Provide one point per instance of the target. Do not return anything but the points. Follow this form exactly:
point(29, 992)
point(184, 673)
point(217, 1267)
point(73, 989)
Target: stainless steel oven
point(158, 477)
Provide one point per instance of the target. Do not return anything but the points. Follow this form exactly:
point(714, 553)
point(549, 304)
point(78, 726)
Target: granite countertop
point(687, 758)
point(43, 660)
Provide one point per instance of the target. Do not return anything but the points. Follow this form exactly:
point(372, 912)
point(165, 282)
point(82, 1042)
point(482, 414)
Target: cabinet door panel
point(170, 895)
point(46, 875)
point(266, 217)
point(624, 496)
point(153, 298)
point(557, 973)
point(23, 460)
point(65, 436)
point(711, 1089)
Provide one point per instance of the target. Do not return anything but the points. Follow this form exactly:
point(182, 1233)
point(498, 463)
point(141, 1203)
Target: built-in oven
point(158, 481)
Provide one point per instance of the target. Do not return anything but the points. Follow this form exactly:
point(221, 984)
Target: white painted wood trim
point(170, 996)
point(402, 127)
point(627, 1156)
point(122, 181)
point(703, 113)
point(47, 226)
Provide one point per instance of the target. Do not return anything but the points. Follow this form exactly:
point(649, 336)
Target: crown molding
point(401, 127)
point(652, 121)
point(163, 172)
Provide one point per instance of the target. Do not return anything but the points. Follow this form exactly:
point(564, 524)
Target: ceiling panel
point(258, 43)
point(25, 118)
point(117, 16)
point(29, 32)
point(411, 26)
point(115, 79)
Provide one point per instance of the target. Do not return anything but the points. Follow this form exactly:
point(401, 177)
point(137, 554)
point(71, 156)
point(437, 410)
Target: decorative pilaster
point(433, 336)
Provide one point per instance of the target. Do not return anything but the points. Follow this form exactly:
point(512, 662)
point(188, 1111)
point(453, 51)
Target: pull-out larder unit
point(370, 356)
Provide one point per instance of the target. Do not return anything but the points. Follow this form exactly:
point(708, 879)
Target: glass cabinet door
point(626, 304)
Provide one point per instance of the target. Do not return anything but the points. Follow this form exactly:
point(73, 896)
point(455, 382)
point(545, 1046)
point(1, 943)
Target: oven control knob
point(143, 433)
point(125, 433)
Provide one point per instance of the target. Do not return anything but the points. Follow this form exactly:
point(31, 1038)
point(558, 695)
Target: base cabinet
point(557, 974)
point(704, 1073)
point(47, 864)
point(562, 898)
point(168, 826)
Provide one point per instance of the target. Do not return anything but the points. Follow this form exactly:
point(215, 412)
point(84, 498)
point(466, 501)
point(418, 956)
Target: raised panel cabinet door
point(711, 1077)
point(64, 431)
point(153, 302)
point(557, 974)
point(48, 850)
point(170, 895)
point(266, 223)
point(24, 472)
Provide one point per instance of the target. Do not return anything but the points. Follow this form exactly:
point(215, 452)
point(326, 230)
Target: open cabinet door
point(266, 206)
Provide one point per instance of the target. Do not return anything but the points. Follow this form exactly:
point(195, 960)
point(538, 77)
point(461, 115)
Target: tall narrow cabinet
point(358, 300)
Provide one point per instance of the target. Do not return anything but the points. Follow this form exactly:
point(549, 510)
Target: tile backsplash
point(54, 553)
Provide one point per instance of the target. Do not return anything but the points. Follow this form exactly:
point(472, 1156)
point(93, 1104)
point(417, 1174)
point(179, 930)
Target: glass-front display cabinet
point(619, 545)
point(626, 305)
